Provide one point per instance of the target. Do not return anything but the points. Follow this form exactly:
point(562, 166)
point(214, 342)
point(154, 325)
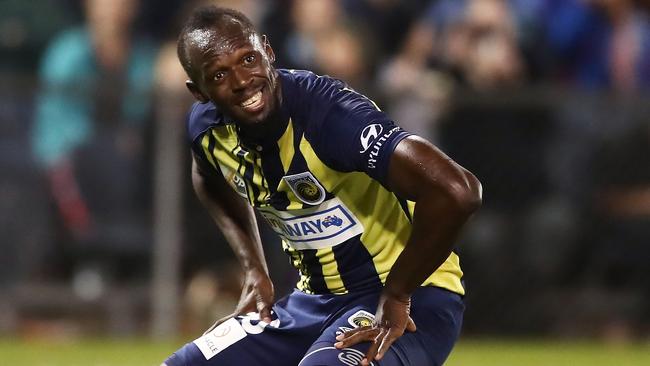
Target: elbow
point(466, 194)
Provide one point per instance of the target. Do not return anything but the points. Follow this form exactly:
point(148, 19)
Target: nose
point(240, 79)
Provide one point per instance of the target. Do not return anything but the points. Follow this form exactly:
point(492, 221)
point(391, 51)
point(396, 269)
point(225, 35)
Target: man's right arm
point(236, 220)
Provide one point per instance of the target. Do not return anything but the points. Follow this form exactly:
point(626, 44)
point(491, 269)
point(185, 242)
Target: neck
point(264, 132)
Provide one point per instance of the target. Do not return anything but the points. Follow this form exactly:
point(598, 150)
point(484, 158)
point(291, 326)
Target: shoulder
point(299, 84)
point(200, 118)
point(319, 98)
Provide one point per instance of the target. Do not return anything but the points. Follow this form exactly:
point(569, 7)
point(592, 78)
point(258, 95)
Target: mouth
point(254, 103)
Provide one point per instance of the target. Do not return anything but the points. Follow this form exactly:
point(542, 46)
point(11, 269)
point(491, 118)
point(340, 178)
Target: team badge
point(306, 188)
point(361, 319)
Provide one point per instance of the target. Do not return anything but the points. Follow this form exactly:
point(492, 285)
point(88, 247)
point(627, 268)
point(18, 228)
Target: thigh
point(438, 315)
point(436, 312)
point(245, 340)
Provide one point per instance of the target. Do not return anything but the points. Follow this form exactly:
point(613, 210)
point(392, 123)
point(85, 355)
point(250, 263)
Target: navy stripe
point(315, 270)
point(355, 265)
point(298, 162)
point(405, 207)
point(248, 176)
point(274, 171)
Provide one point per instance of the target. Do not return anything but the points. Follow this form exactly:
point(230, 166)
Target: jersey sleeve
point(350, 133)
point(199, 119)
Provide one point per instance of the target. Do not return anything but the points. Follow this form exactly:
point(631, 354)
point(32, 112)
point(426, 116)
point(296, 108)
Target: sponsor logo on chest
point(323, 226)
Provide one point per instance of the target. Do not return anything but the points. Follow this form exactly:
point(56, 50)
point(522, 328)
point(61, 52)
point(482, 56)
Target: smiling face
point(232, 68)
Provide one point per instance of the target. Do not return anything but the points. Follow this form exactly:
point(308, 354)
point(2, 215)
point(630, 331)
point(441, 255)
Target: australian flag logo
point(332, 220)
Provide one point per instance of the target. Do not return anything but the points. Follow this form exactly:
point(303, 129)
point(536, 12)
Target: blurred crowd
point(544, 100)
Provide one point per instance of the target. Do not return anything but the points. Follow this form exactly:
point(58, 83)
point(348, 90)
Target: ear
point(194, 89)
point(267, 48)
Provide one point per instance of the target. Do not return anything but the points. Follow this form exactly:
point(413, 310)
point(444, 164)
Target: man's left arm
point(445, 196)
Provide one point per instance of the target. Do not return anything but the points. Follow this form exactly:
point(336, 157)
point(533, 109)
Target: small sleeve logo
point(369, 135)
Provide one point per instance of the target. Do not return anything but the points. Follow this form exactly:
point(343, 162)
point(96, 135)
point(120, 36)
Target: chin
point(253, 120)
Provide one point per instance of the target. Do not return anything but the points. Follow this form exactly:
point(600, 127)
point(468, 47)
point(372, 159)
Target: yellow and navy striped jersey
point(318, 182)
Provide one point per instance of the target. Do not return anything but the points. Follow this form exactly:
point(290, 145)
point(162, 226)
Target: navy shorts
point(305, 326)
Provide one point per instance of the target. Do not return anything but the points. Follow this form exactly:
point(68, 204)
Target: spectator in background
point(325, 40)
point(310, 19)
point(417, 93)
point(476, 39)
point(470, 42)
point(387, 20)
point(89, 130)
point(600, 44)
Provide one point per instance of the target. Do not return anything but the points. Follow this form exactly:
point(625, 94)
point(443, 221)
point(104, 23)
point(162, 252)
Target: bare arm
point(445, 196)
point(236, 220)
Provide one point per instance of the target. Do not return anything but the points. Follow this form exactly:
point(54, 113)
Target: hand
point(257, 295)
point(391, 320)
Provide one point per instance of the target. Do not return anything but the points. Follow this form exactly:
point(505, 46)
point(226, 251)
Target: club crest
point(361, 319)
point(306, 188)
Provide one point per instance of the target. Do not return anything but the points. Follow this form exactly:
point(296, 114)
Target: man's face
point(233, 70)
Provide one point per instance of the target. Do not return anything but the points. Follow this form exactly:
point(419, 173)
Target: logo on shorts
point(351, 357)
point(342, 330)
point(361, 318)
point(220, 338)
point(368, 136)
point(306, 188)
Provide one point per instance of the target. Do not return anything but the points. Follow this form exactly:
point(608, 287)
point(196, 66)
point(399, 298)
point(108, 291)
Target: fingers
point(381, 338)
point(354, 336)
point(218, 322)
point(410, 325)
point(247, 304)
point(265, 313)
point(386, 342)
point(374, 347)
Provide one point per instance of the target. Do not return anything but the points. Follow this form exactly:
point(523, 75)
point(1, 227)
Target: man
point(368, 213)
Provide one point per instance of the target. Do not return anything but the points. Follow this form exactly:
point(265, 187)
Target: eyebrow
point(213, 58)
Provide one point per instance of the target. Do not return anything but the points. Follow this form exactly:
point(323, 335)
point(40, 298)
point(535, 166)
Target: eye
point(219, 75)
point(249, 59)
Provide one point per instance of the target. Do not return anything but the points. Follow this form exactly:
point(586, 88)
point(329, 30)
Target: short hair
point(210, 17)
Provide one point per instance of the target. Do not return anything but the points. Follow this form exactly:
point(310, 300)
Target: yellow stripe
point(295, 256)
point(285, 144)
point(331, 273)
point(224, 145)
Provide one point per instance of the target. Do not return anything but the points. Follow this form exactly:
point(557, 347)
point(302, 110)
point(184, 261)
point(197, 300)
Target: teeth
point(252, 100)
